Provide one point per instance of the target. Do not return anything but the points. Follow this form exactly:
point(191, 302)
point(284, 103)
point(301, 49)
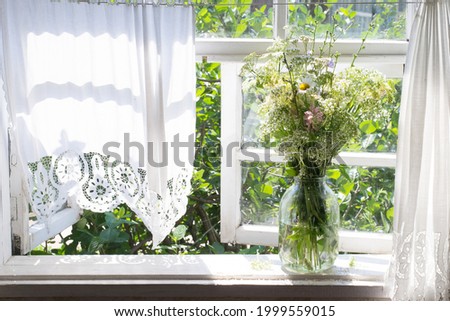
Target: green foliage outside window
point(243, 20)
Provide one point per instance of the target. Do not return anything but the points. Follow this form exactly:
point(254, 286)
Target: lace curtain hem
point(100, 183)
point(420, 267)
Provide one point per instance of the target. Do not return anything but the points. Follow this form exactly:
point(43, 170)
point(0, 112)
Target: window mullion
point(349, 241)
point(231, 120)
point(371, 159)
point(19, 205)
point(411, 9)
point(280, 19)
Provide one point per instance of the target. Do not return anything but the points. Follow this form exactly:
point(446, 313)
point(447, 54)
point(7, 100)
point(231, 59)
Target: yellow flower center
point(304, 86)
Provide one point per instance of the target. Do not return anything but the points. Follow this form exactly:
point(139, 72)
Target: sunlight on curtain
point(419, 270)
point(100, 96)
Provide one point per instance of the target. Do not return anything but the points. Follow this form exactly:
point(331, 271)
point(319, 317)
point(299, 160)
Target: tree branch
point(212, 81)
point(213, 236)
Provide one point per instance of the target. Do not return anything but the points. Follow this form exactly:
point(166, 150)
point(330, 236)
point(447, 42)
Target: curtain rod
point(203, 3)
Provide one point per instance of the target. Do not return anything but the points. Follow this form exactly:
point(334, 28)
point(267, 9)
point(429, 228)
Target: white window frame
point(211, 276)
point(387, 56)
point(232, 230)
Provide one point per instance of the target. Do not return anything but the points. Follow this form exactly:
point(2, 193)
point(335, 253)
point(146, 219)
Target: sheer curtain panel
point(420, 266)
point(102, 102)
point(4, 125)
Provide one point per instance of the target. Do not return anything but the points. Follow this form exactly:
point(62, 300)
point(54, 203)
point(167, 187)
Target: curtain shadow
point(100, 94)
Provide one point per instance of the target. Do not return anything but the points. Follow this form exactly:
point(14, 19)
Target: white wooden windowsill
point(188, 277)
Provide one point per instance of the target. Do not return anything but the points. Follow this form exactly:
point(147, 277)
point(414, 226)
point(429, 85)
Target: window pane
point(252, 119)
point(380, 135)
point(365, 197)
point(235, 19)
point(263, 185)
point(365, 194)
point(353, 19)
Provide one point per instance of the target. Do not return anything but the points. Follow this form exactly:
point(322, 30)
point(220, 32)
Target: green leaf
point(344, 173)
point(303, 8)
point(240, 29)
point(390, 214)
point(346, 188)
point(368, 127)
point(218, 248)
point(121, 212)
point(291, 172)
point(373, 206)
point(200, 91)
point(179, 232)
point(112, 221)
point(266, 189)
point(95, 245)
point(81, 223)
point(123, 237)
point(208, 101)
point(109, 235)
point(198, 174)
point(202, 12)
point(334, 173)
point(318, 11)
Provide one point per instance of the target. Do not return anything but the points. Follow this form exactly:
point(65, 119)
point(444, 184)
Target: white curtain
point(420, 266)
point(4, 125)
point(101, 98)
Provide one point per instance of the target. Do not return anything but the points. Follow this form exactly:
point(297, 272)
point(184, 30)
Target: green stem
point(292, 81)
point(363, 40)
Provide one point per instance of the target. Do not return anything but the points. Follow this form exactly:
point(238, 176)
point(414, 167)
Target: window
point(254, 178)
point(251, 28)
point(225, 47)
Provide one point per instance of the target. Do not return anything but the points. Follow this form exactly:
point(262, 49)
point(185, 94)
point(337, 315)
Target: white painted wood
point(40, 233)
point(260, 155)
point(349, 241)
point(24, 236)
point(280, 19)
point(344, 158)
point(231, 120)
point(184, 267)
point(389, 51)
point(19, 204)
point(257, 235)
point(366, 159)
point(365, 242)
point(188, 276)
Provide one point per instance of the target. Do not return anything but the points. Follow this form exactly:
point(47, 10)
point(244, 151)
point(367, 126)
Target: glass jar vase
point(308, 226)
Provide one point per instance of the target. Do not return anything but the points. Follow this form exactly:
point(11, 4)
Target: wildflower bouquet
point(311, 110)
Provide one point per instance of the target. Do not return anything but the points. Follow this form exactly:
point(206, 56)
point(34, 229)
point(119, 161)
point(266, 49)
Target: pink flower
point(312, 117)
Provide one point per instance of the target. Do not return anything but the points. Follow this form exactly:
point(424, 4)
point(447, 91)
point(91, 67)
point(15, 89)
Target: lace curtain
point(102, 101)
point(420, 266)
